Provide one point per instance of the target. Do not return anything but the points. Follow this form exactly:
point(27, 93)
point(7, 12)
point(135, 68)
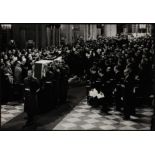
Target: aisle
point(14, 117)
point(83, 117)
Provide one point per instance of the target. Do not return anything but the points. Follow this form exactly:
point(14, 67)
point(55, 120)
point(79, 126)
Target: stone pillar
point(99, 32)
point(133, 28)
point(62, 34)
point(48, 34)
point(43, 35)
point(53, 35)
point(110, 30)
point(57, 34)
point(22, 38)
point(37, 36)
point(137, 28)
point(69, 33)
point(93, 31)
point(85, 32)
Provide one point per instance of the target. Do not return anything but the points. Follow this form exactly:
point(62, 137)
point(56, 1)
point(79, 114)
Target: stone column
point(48, 32)
point(62, 34)
point(53, 35)
point(43, 35)
point(57, 34)
point(37, 36)
point(86, 32)
point(69, 33)
point(90, 31)
point(137, 28)
point(110, 30)
point(93, 31)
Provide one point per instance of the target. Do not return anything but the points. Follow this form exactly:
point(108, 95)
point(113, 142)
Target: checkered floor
point(8, 112)
point(84, 117)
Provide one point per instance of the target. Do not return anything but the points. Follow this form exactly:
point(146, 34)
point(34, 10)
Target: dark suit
point(129, 105)
point(31, 101)
point(108, 87)
point(118, 90)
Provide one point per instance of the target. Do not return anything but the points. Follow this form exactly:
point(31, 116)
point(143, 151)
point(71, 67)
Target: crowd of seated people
point(14, 66)
point(116, 66)
point(123, 69)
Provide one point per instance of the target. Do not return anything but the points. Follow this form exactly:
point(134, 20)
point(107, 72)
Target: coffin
point(40, 68)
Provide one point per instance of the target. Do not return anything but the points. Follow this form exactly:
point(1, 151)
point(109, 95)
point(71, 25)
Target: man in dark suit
point(109, 85)
point(129, 105)
point(31, 89)
point(118, 88)
point(93, 75)
point(63, 82)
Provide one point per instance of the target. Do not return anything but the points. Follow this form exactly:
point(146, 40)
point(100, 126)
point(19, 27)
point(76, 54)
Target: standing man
point(31, 85)
point(118, 88)
point(18, 80)
point(129, 105)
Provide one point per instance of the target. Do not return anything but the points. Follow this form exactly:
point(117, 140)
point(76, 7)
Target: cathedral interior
point(77, 76)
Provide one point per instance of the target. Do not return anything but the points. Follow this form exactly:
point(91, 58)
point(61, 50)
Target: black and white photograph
point(77, 76)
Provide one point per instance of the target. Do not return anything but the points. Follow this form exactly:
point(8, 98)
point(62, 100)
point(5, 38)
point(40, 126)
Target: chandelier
point(6, 26)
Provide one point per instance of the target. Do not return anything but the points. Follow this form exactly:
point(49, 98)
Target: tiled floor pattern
point(84, 117)
point(8, 112)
